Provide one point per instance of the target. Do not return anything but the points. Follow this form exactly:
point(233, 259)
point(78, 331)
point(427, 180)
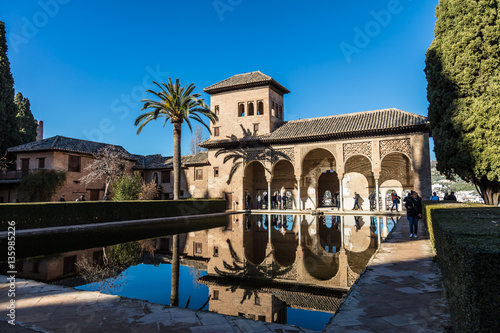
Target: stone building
point(252, 150)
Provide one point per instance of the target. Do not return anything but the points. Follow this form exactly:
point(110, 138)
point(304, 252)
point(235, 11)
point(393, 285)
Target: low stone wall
point(39, 215)
point(467, 241)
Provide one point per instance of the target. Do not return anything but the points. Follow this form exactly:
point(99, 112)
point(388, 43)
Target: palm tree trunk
point(174, 292)
point(177, 159)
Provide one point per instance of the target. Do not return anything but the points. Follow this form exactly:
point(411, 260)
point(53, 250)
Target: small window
point(250, 109)
point(74, 163)
point(199, 174)
point(273, 109)
point(255, 128)
point(215, 295)
point(241, 109)
point(216, 251)
point(216, 171)
point(260, 108)
point(282, 117)
point(257, 300)
point(25, 166)
point(241, 314)
point(251, 316)
point(216, 110)
point(155, 177)
point(165, 176)
point(262, 318)
point(41, 163)
point(197, 248)
point(216, 131)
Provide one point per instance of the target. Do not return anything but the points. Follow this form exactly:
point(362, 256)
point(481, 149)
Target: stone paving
point(400, 291)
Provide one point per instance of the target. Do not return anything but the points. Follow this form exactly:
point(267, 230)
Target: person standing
point(356, 201)
point(371, 198)
point(413, 212)
point(395, 200)
point(434, 197)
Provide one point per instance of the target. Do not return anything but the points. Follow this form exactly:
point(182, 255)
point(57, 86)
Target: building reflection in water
point(258, 265)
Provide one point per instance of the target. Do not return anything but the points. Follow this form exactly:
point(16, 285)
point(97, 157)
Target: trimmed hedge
point(467, 241)
point(40, 215)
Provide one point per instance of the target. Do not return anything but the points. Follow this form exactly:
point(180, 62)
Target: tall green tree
point(8, 123)
point(26, 125)
point(176, 104)
point(462, 70)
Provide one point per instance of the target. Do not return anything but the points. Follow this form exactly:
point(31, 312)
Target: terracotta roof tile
point(251, 79)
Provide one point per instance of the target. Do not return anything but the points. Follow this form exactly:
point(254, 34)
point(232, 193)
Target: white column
point(341, 192)
point(268, 195)
point(298, 192)
point(377, 196)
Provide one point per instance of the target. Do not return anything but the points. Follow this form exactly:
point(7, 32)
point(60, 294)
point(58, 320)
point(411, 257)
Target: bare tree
point(109, 162)
point(4, 163)
point(197, 138)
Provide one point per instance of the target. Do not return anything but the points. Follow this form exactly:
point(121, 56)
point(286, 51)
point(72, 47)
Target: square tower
point(248, 105)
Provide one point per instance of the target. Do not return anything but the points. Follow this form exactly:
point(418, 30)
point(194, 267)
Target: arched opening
point(241, 109)
point(328, 189)
point(358, 179)
point(284, 182)
point(273, 109)
point(329, 233)
point(396, 174)
point(314, 164)
point(255, 182)
point(284, 240)
point(255, 238)
point(250, 109)
point(260, 108)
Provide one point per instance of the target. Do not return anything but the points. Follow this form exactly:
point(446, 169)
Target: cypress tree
point(462, 70)
point(8, 123)
point(26, 125)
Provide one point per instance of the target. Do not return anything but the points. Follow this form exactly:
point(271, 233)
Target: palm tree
point(177, 104)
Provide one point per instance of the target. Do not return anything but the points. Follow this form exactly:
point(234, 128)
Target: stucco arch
point(358, 178)
point(254, 181)
point(314, 163)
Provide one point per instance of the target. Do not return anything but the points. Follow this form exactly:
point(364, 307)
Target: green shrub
point(40, 215)
point(41, 185)
point(467, 242)
point(127, 187)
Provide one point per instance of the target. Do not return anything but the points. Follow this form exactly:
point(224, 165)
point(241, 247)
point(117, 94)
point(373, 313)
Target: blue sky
point(85, 65)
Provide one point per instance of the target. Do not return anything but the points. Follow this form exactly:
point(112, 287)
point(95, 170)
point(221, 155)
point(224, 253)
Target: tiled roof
point(385, 121)
point(67, 144)
point(252, 79)
point(166, 162)
point(352, 124)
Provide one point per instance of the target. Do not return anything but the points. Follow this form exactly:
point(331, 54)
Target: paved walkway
point(400, 291)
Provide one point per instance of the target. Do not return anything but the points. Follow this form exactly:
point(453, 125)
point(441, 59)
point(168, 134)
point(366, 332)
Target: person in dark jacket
point(413, 212)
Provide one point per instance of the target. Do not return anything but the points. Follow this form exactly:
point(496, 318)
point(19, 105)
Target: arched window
point(250, 109)
point(241, 109)
point(216, 110)
point(260, 108)
point(273, 109)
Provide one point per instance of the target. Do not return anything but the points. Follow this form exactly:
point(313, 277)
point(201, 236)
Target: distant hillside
point(449, 186)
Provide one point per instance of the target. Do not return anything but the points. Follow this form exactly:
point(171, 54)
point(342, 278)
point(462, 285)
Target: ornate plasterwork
point(395, 145)
point(356, 148)
point(283, 154)
point(256, 155)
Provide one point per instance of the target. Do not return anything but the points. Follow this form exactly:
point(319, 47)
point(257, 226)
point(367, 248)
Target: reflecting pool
point(292, 269)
